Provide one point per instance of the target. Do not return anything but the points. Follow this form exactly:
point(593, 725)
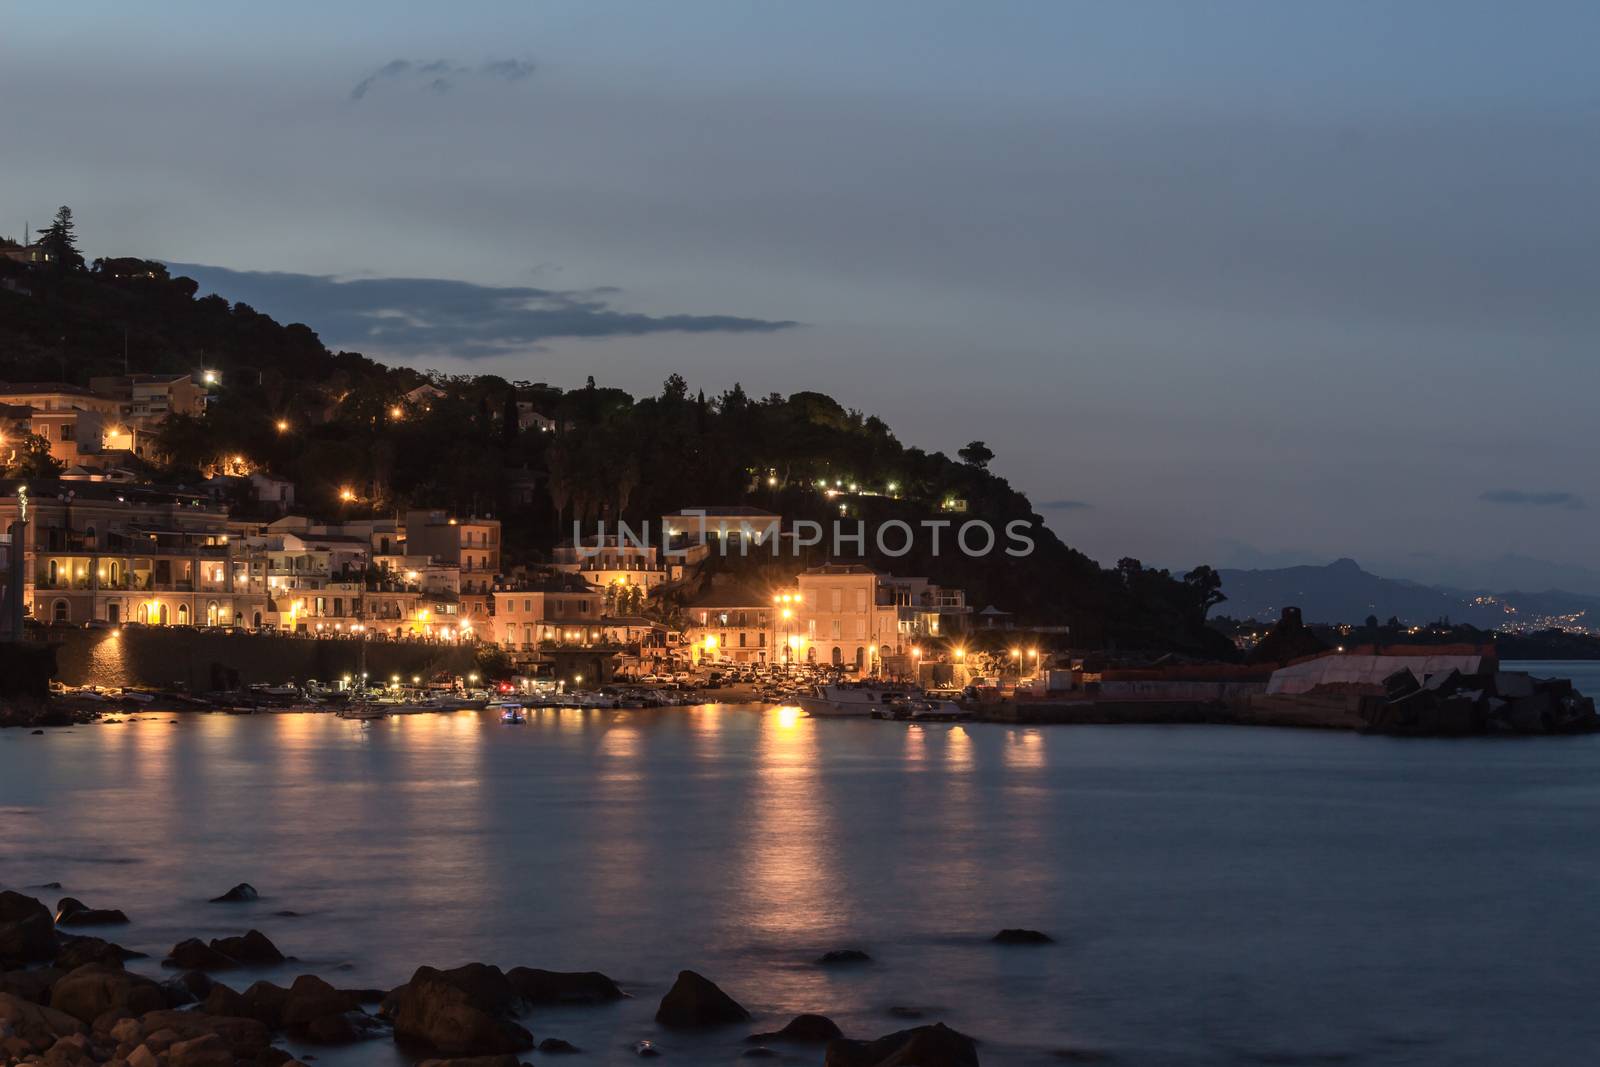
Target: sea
point(1215, 894)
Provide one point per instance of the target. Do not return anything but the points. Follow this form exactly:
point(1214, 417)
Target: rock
point(224, 1000)
point(251, 947)
point(239, 894)
point(34, 1023)
point(486, 986)
point(195, 955)
point(843, 956)
point(94, 989)
point(71, 911)
point(70, 1051)
point(342, 1029)
point(31, 985)
point(315, 1011)
point(695, 1000)
point(554, 1046)
point(127, 1031)
point(38, 733)
point(266, 1003)
point(537, 986)
point(505, 1060)
point(207, 1050)
point(431, 1011)
point(1019, 936)
point(187, 988)
point(645, 1048)
point(76, 951)
point(924, 1046)
point(142, 1057)
point(27, 930)
point(807, 1029)
point(246, 1037)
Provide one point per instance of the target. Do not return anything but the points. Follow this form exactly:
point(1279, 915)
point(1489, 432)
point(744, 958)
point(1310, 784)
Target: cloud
point(1063, 505)
point(1541, 499)
point(441, 75)
point(438, 316)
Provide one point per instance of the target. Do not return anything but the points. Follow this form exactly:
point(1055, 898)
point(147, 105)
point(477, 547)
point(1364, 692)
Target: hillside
point(340, 426)
point(1341, 592)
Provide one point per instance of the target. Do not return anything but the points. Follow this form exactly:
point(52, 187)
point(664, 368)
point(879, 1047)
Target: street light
point(283, 425)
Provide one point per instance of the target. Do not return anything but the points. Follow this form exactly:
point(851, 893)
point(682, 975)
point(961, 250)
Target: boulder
point(803, 1029)
point(695, 1000)
point(840, 956)
point(73, 1050)
point(187, 988)
point(433, 1012)
point(554, 1046)
point(94, 989)
point(31, 985)
point(267, 1003)
point(487, 987)
point(35, 1024)
point(207, 1050)
point(75, 951)
point(251, 947)
point(239, 894)
point(1019, 936)
point(70, 911)
point(646, 1049)
point(923, 1046)
point(195, 955)
point(225, 1000)
point(246, 1037)
point(315, 1011)
point(537, 986)
point(27, 930)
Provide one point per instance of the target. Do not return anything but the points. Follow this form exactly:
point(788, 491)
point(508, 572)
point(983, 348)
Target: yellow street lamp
point(282, 425)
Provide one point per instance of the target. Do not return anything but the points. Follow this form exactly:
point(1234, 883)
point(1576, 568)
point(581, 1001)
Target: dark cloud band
point(437, 316)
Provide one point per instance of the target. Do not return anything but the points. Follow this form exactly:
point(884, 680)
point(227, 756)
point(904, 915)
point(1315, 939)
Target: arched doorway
point(113, 612)
point(257, 623)
point(213, 612)
point(183, 615)
point(59, 611)
point(838, 656)
point(161, 615)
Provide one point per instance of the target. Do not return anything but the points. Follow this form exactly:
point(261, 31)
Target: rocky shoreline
point(67, 1000)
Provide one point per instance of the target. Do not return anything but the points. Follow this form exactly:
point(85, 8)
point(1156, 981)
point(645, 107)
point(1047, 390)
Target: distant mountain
point(1341, 592)
point(1503, 572)
point(1336, 592)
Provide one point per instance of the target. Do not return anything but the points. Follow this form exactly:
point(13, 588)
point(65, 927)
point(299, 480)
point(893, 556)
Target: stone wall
point(165, 656)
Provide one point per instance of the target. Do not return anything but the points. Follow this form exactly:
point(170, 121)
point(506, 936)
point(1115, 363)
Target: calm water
point(1220, 895)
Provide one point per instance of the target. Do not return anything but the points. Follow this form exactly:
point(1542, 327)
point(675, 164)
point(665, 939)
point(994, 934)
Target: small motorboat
point(513, 717)
point(363, 711)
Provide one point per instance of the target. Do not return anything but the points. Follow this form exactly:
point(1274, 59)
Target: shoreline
point(67, 999)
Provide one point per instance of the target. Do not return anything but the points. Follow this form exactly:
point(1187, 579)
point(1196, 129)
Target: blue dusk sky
point(1236, 283)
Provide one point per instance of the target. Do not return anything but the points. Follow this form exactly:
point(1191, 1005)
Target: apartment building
point(471, 544)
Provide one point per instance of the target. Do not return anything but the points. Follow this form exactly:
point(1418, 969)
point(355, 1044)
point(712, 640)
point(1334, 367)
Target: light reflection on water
point(1220, 895)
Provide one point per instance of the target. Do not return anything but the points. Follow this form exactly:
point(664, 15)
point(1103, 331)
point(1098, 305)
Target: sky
point(1244, 283)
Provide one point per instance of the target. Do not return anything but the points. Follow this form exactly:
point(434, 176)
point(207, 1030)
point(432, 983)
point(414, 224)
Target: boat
point(363, 711)
point(513, 717)
point(849, 701)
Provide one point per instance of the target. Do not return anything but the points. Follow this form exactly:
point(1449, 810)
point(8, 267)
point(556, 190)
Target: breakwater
point(164, 657)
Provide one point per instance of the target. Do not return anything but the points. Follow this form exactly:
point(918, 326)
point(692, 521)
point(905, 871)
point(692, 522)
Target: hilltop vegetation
point(340, 426)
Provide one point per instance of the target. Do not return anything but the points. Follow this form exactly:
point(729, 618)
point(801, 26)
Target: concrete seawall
point(162, 657)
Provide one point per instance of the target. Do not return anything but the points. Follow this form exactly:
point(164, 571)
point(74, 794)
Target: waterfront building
point(733, 624)
point(100, 552)
point(558, 612)
point(471, 544)
point(612, 560)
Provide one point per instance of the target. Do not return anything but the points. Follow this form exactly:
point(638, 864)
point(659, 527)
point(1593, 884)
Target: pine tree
point(60, 242)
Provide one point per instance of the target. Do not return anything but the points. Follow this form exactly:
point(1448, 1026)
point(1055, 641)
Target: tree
point(976, 454)
point(30, 458)
point(1204, 588)
point(59, 241)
